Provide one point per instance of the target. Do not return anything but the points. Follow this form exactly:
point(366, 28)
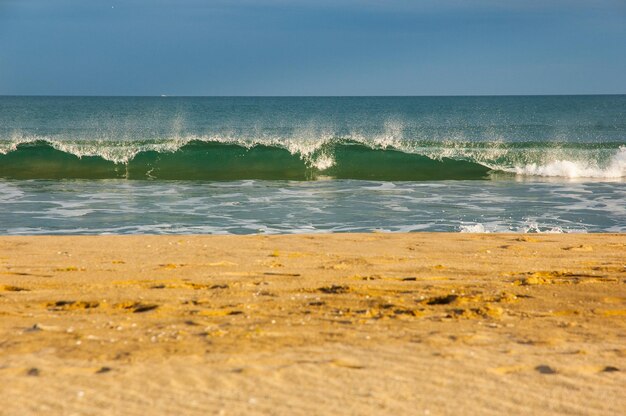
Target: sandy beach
point(313, 324)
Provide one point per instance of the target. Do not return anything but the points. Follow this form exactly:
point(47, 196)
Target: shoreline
point(419, 323)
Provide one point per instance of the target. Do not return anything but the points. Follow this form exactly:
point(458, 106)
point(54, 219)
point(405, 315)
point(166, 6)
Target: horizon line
point(308, 96)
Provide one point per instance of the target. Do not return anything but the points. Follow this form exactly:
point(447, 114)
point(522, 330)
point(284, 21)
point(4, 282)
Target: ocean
point(249, 165)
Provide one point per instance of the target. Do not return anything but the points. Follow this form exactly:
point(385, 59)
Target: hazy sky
point(312, 47)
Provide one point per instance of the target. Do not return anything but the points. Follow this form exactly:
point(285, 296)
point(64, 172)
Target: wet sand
point(327, 324)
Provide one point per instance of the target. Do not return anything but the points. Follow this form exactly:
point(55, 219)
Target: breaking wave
point(353, 157)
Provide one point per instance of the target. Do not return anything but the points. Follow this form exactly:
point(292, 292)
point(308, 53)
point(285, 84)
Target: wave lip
point(223, 160)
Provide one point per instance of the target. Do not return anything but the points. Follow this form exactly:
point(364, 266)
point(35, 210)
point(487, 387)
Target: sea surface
point(247, 165)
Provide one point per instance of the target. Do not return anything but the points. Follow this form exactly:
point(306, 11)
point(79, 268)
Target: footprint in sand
point(9, 288)
point(545, 369)
point(581, 247)
point(136, 307)
point(66, 305)
point(334, 289)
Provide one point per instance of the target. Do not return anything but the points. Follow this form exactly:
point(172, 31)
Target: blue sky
point(312, 47)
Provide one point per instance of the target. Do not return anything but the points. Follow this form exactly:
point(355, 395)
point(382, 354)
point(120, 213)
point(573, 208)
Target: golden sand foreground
point(328, 324)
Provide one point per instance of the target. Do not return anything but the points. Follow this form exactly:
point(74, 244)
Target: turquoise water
point(329, 164)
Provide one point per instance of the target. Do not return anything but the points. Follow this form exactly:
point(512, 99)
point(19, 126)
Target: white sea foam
point(534, 227)
point(245, 207)
point(10, 192)
point(615, 168)
point(473, 228)
point(323, 162)
point(524, 227)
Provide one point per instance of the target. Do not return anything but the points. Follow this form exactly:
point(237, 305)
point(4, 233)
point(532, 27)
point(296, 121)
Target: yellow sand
point(329, 324)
